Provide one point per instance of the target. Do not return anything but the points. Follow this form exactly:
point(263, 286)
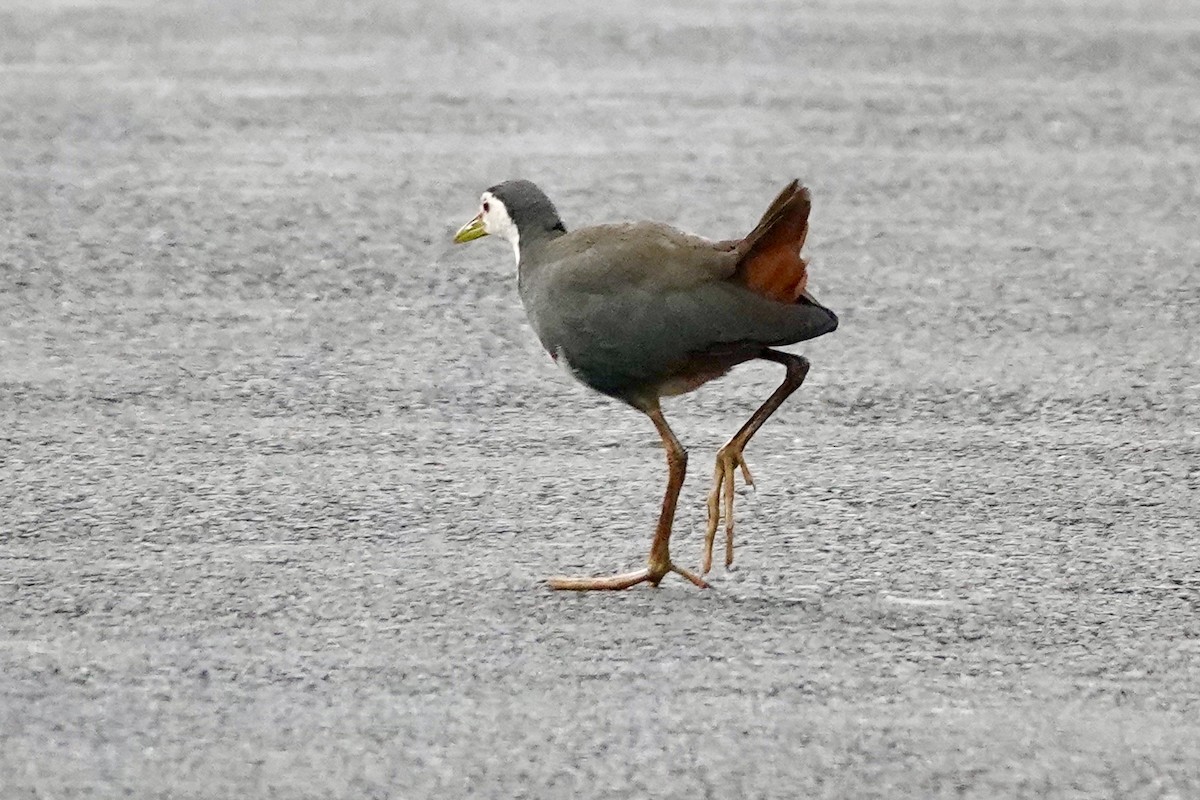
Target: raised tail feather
point(769, 260)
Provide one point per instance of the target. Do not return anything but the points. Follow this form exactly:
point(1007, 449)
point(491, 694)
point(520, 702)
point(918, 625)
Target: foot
point(624, 580)
point(720, 502)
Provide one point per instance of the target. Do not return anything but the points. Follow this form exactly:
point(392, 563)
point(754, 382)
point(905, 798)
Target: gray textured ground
point(281, 470)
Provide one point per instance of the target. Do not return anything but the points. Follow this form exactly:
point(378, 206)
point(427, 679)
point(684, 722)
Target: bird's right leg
point(730, 458)
point(660, 553)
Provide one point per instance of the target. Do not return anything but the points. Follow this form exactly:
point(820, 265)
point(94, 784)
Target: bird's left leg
point(659, 562)
point(730, 459)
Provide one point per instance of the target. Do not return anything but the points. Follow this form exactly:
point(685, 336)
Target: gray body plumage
point(642, 309)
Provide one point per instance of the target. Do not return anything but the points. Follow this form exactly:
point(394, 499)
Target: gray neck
point(530, 247)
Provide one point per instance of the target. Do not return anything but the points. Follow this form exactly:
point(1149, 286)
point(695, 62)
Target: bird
point(640, 311)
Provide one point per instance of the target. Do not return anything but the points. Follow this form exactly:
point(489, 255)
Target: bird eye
point(486, 207)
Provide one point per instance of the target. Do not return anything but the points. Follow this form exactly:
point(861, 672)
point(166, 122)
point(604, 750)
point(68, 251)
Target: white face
point(497, 222)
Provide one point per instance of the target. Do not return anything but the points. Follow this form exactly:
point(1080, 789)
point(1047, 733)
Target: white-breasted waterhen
point(640, 311)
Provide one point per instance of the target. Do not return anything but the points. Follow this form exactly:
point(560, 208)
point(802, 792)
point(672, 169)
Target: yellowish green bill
point(472, 230)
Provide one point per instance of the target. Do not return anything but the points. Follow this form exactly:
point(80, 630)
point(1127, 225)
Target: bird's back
point(608, 258)
point(632, 306)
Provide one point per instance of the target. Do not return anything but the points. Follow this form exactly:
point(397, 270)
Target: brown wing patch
point(769, 261)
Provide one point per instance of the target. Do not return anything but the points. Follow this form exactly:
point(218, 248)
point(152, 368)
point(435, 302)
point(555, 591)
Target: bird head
point(493, 218)
point(512, 210)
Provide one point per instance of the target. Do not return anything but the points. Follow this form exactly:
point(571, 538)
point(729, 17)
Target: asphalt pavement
point(282, 471)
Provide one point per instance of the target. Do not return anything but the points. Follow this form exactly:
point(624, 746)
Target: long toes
point(617, 582)
point(720, 503)
point(746, 476)
point(691, 576)
point(714, 519)
point(729, 502)
point(710, 534)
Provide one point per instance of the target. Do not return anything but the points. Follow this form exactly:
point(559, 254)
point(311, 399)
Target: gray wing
point(651, 255)
point(635, 337)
